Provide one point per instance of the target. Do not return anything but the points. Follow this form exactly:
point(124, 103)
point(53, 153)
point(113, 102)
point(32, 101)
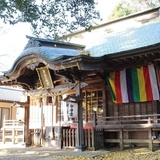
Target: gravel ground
point(105, 154)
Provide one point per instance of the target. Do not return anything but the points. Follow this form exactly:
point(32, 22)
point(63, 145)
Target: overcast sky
point(13, 38)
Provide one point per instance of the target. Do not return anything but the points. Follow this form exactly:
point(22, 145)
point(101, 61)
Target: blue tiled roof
point(10, 94)
point(126, 40)
point(49, 52)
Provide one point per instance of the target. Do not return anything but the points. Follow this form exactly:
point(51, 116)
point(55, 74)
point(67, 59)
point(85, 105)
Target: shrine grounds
point(40, 153)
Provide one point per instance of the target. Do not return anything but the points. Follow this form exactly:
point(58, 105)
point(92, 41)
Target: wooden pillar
point(41, 133)
point(59, 121)
point(26, 126)
point(121, 139)
point(26, 121)
point(3, 136)
point(79, 131)
point(4, 131)
point(150, 139)
point(52, 116)
point(104, 99)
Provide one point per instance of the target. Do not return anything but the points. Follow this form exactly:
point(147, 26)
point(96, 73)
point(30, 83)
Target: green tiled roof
point(49, 52)
point(126, 40)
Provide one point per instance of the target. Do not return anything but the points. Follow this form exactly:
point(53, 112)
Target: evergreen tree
point(127, 7)
point(52, 18)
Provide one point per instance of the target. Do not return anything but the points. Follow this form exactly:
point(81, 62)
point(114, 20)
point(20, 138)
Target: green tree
point(120, 10)
point(125, 7)
point(52, 18)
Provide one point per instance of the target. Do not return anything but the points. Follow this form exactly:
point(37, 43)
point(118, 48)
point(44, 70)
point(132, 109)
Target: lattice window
point(93, 101)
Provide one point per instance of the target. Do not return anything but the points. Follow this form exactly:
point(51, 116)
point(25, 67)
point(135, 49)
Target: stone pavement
point(42, 153)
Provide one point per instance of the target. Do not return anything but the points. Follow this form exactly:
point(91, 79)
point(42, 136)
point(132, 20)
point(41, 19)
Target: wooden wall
point(128, 109)
point(143, 108)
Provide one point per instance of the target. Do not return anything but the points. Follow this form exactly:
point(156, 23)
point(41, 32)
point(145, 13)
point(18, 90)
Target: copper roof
point(133, 38)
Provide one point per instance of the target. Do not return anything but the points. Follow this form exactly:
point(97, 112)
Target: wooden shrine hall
point(102, 93)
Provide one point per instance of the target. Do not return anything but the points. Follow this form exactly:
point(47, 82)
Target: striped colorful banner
point(133, 85)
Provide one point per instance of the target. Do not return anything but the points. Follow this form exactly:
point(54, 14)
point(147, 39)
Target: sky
point(13, 38)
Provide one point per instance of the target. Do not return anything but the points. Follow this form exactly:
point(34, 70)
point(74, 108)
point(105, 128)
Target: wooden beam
point(129, 126)
point(59, 88)
point(128, 140)
point(127, 130)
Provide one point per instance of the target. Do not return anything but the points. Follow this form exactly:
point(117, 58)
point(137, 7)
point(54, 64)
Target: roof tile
point(126, 40)
point(10, 94)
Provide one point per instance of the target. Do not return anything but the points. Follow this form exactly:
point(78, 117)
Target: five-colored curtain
point(133, 84)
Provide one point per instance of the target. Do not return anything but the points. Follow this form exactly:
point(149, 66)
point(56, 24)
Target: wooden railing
point(13, 130)
point(93, 138)
point(34, 135)
point(141, 121)
point(150, 124)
